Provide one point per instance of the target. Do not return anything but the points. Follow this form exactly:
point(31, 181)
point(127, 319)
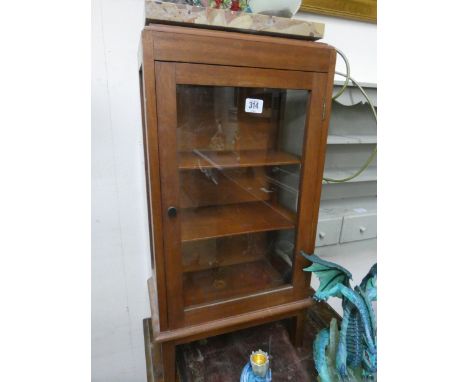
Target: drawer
point(328, 231)
point(359, 227)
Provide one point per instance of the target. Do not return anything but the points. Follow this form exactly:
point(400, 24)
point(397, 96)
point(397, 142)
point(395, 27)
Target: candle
point(260, 363)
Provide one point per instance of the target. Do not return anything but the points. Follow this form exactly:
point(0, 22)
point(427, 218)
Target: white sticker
point(253, 105)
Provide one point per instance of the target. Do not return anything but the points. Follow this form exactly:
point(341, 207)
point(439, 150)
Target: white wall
point(120, 248)
point(357, 40)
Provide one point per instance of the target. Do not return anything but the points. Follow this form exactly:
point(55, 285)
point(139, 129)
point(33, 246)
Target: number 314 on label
point(253, 105)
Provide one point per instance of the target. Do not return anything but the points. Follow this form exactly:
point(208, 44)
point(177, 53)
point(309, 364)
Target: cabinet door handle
point(322, 235)
point(172, 212)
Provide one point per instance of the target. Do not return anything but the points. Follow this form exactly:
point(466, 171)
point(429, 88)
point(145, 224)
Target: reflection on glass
point(239, 153)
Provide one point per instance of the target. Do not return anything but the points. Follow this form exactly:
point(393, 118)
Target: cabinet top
point(196, 45)
point(225, 19)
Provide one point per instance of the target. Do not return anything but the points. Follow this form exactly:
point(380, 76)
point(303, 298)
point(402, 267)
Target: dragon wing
point(369, 284)
point(368, 291)
point(329, 273)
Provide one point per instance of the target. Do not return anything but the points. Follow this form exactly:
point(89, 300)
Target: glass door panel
point(239, 160)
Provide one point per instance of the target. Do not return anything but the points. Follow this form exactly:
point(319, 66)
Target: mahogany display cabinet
point(235, 129)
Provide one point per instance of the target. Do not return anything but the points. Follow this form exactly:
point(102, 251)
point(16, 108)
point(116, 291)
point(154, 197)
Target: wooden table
point(221, 358)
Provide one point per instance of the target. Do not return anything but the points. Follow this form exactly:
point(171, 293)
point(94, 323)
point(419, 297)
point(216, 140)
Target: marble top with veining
point(179, 12)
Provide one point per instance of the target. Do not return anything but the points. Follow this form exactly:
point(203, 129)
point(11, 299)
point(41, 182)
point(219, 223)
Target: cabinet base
point(233, 349)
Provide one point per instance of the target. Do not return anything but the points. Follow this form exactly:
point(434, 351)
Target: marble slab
point(183, 13)
point(221, 358)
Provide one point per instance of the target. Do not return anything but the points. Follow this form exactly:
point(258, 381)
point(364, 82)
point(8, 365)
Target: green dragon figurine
point(354, 347)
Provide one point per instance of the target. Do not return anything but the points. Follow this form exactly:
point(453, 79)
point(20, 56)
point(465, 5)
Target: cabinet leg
point(169, 361)
point(296, 330)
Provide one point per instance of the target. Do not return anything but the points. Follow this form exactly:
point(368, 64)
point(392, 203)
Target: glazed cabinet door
point(240, 180)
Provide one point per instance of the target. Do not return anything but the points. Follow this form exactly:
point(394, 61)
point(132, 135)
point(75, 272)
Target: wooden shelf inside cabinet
point(208, 254)
point(236, 280)
point(232, 258)
point(231, 159)
point(234, 219)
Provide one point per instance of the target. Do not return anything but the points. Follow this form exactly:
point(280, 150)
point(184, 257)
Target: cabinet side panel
point(150, 134)
point(147, 176)
point(326, 81)
point(311, 181)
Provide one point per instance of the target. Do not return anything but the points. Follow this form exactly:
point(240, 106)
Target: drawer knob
point(172, 212)
point(362, 229)
point(321, 235)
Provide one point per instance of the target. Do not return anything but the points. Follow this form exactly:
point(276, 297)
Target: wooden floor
point(221, 358)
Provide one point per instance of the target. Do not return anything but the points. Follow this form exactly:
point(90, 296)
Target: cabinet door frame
point(168, 75)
